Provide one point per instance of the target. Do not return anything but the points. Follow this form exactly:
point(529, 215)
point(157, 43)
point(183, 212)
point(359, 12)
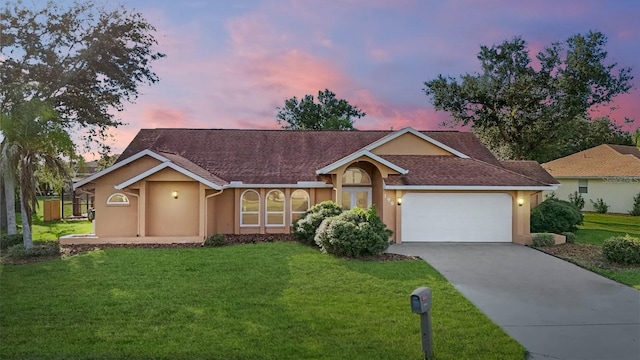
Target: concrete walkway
point(553, 308)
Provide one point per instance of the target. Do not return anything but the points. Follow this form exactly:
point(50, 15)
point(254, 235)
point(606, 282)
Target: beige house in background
point(181, 185)
point(608, 172)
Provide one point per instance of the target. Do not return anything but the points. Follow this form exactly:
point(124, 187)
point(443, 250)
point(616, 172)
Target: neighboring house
point(180, 185)
point(608, 172)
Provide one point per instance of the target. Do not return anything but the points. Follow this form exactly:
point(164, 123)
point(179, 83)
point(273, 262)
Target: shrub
point(555, 216)
point(577, 200)
point(622, 249)
point(544, 239)
point(215, 240)
point(571, 237)
point(551, 196)
point(635, 211)
point(600, 206)
point(355, 233)
point(7, 240)
point(43, 249)
point(305, 228)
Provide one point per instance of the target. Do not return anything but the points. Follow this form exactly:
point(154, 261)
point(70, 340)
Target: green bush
point(215, 240)
point(7, 240)
point(355, 233)
point(305, 228)
point(635, 211)
point(622, 249)
point(600, 206)
point(571, 237)
point(544, 239)
point(39, 249)
point(577, 200)
point(555, 216)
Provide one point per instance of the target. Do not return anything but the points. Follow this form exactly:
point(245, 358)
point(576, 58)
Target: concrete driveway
point(553, 308)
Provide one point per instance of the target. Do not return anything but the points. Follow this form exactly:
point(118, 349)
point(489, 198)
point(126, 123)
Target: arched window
point(250, 208)
point(275, 208)
point(118, 199)
point(356, 189)
point(299, 204)
point(355, 176)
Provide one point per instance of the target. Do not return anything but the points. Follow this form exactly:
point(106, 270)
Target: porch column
point(521, 226)
point(398, 230)
point(202, 203)
point(142, 210)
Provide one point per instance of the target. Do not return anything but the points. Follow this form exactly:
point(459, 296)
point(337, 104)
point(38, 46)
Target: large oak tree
point(541, 111)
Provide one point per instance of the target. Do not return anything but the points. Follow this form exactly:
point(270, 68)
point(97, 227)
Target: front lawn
point(263, 301)
point(587, 251)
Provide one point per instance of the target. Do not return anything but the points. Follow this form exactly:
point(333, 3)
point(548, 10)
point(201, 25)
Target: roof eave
point(118, 165)
point(351, 157)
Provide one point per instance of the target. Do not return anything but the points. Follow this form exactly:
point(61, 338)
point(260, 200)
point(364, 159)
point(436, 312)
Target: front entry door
point(356, 197)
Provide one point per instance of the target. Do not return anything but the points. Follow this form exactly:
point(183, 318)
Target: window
point(355, 176)
point(583, 186)
point(275, 208)
point(118, 199)
point(356, 190)
point(250, 208)
point(299, 204)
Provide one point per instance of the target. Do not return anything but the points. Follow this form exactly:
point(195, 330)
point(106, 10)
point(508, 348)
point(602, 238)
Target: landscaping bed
point(587, 251)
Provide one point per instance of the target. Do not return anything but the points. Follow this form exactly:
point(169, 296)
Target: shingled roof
point(288, 157)
point(600, 161)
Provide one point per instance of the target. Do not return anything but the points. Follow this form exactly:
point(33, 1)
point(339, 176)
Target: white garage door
point(462, 217)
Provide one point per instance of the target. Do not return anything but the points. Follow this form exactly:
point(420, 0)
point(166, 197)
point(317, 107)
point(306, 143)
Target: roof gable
point(600, 161)
point(352, 157)
point(437, 147)
point(118, 165)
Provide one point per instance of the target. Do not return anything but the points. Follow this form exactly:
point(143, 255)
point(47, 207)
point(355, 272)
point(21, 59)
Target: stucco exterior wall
point(618, 195)
point(167, 216)
point(409, 144)
point(119, 220)
point(221, 213)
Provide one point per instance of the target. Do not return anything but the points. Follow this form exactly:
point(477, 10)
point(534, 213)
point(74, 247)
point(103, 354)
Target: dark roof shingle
point(286, 157)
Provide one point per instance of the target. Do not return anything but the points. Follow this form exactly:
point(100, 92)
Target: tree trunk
point(26, 228)
point(10, 200)
point(3, 207)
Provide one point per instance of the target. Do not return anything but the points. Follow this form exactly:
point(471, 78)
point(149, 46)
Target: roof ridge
point(513, 172)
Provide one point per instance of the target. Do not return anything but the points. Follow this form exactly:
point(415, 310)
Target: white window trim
point(353, 190)
point(267, 212)
point(242, 212)
point(356, 184)
point(583, 183)
point(118, 203)
point(291, 204)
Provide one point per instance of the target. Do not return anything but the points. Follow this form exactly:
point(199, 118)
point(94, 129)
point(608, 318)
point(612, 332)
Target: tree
point(328, 114)
point(82, 61)
point(520, 112)
point(34, 137)
point(86, 60)
point(635, 137)
point(8, 164)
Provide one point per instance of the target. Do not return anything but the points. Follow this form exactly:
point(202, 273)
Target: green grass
point(53, 230)
point(262, 301)
point(599, 227)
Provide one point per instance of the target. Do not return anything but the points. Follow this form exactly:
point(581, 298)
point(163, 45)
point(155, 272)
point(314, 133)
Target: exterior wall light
point(174, 194)
point(520, 201)
point(399, 201)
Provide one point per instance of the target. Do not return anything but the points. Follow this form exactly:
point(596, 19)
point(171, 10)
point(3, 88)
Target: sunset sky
point(229, 64)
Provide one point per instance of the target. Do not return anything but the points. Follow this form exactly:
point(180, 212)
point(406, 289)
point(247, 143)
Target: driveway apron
point(555, 309)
